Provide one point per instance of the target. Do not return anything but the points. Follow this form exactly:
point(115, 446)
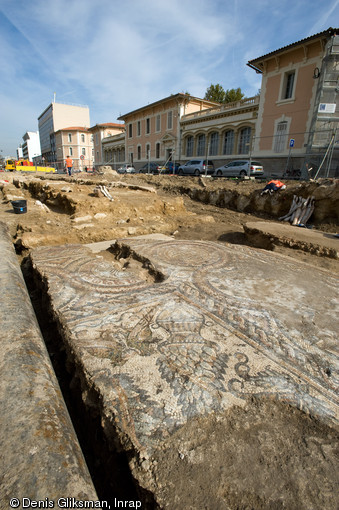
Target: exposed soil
point(69, 212)
point(264, 456)
point(267, 456)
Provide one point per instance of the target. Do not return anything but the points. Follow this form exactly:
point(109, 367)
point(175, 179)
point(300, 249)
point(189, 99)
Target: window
point(289, 85)
point(70, 137)
point(130, 130)
point(139, 152)
point(92, 138)
point(214, 144)
point(139, 128)
point(228, 142)
point(148, 151)
point(92, 153)
point(157, 124)
point(148, 126)
point(189, 146)
point(70, 150)
point(83, 138)
point(83, 151)
point(201, 145)
point(157, 150)
point(280, 138)
point(169, 120)
point(244, 141)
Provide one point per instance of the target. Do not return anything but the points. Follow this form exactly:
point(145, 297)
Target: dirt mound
point(245, 196)
point(296, 454)
point(70, 211)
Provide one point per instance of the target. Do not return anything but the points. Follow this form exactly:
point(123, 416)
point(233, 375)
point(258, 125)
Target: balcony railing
point(236, 105)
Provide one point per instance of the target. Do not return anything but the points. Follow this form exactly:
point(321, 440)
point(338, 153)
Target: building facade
point(101, 132)
point(221, 133)
point(153, 132)
point(292, 130)
point(31, 145)
point(76, 142)
point(55, 117)
point(113, 150)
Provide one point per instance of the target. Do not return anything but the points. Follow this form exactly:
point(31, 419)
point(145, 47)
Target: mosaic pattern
point(226, 323)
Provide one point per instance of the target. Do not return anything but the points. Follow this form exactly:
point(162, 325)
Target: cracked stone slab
point(219, 325)
point(313, 241)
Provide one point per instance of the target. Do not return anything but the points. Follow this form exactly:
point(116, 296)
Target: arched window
point(157, 150)
point(244, 141)
point(201, 145)
point(139, 152)
point(189, 146)
point(228, 147)
point(148, 151)
point(214, 144)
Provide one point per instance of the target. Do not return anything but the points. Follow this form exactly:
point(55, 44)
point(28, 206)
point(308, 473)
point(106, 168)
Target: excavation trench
point(192, 459)
point(106, 458)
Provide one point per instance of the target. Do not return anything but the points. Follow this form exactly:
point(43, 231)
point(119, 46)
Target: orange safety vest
point(69, 162)
point(279, 184)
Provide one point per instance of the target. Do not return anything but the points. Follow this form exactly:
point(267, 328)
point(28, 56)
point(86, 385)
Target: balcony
point(219, 110)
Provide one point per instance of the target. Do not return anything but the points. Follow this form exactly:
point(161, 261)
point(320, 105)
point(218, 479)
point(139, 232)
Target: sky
point(118, 55)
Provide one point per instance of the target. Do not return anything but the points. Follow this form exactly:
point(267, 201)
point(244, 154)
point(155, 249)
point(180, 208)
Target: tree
point(217, 94)
point(232, 95)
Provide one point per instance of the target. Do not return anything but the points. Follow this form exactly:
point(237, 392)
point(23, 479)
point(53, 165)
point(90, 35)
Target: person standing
point(69, 165)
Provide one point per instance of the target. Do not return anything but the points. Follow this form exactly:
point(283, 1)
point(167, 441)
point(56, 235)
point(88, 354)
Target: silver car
point(196, 167)
point(127, 168)
point(240, 168)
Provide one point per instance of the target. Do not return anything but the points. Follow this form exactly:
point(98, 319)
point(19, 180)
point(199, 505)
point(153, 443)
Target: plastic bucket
point(19, 206)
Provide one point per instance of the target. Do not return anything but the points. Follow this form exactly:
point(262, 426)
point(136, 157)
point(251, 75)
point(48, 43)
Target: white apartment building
point(55, 117)
point(31, 145)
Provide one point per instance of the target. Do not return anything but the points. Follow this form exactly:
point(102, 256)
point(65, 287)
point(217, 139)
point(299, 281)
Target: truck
point(24, 165)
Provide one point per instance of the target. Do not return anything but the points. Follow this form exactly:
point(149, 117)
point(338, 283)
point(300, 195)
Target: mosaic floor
point(224, 323)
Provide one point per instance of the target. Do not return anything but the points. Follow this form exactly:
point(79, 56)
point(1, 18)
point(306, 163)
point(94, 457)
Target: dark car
point(171, 168)
point(151, 167)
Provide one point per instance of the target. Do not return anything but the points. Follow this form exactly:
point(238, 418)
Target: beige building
point(100, 132)
point(154, 131)
point(298, 110)
point(55, 117)
point(223, 133)
point(77, 143)
point(113, 150)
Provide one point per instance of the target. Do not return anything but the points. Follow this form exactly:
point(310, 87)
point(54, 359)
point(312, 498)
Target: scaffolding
point(322, 148)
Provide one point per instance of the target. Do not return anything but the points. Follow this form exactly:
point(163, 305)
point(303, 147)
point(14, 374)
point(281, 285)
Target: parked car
point(170, 168)
point(151, 167)
point(127, 168)
point(196, 167)
point(240, 168)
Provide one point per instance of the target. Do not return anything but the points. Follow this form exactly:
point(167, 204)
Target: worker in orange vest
point(272, 186)
point(69, 165)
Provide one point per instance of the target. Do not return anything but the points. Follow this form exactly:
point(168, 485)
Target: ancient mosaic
point(224, 323)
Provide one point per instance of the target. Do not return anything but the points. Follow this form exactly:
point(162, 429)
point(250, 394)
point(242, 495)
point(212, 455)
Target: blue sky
point(118, 55)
